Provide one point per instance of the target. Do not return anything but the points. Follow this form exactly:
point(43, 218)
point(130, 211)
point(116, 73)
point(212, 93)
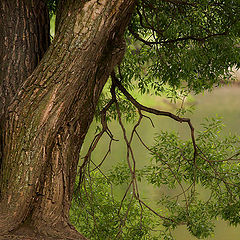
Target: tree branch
point(140, 107)
point(197, 39)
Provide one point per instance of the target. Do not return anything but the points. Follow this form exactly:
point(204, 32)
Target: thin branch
point(104, 158)
point(123, 221)
point(197, 39)
point(152, 123)
point(124, 196)
point(95, 141)
point(132, 169)
point(152, 210)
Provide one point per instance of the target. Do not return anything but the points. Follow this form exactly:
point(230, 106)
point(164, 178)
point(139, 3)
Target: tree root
point(65, 232)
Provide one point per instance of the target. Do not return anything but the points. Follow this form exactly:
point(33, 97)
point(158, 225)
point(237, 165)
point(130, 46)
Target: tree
point(49, 92)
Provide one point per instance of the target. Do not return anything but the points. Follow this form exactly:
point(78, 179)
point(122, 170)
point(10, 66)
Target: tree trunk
point(49, 115)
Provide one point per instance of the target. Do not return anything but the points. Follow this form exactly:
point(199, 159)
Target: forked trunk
point(49, 116)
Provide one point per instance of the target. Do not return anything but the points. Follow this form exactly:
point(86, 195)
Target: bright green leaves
point(120, 174)
point(200, 220)
point(231, 212)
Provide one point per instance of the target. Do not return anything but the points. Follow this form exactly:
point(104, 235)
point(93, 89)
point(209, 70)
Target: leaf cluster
point(181, 44)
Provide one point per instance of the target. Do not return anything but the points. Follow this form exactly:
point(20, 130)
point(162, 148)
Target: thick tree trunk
point(49, 116)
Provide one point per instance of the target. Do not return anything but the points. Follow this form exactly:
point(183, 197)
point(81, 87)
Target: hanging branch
point(130, 156)
point(141, 107)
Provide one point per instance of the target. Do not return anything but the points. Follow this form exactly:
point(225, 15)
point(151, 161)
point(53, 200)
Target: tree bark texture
point(24, 38)
point(49, 110)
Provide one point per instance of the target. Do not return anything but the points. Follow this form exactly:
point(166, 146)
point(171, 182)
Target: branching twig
point(95, 141)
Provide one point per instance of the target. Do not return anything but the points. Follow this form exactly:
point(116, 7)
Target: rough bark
point(46, 123)
point(24, 38)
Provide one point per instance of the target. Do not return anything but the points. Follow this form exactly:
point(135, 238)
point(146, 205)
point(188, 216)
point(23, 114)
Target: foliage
point(188, 45)
point(214, 171)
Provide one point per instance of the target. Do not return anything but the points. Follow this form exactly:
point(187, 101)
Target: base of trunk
point(63, 231)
